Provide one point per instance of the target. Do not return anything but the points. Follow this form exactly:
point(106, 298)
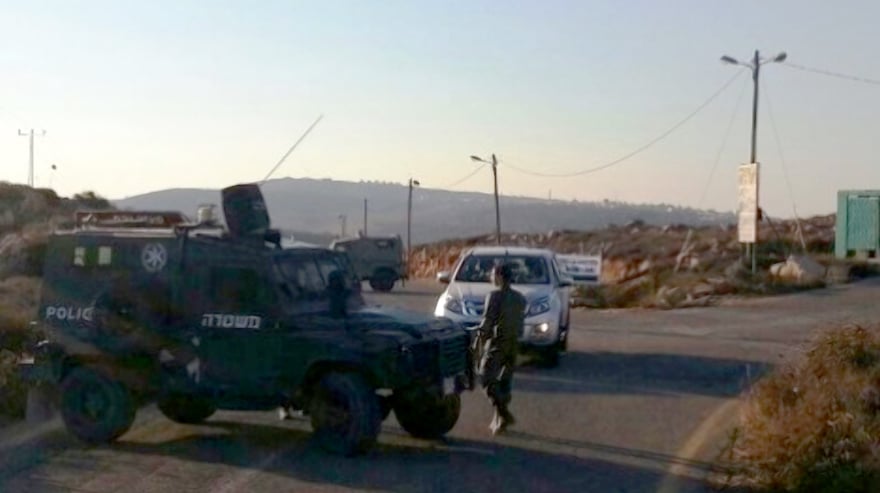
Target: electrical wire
point(739, 98)
point(782, 161)
point(644, 147)
point(466, 177)
point(831, 73)
point(295, 144)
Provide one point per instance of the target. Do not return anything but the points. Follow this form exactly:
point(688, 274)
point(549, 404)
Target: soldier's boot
point(495, 425)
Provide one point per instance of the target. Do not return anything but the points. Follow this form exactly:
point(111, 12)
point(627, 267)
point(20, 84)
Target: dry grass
point(814, 424)
point(18, 303)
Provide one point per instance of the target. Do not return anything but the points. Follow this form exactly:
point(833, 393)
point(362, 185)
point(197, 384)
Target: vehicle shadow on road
point(452, 465)
point(641, 373)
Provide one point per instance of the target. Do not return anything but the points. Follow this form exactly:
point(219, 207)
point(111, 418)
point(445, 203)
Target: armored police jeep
point(142, 307)
point(377, 259)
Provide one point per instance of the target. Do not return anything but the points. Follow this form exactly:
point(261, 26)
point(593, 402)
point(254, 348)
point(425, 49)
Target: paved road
point(634, 406)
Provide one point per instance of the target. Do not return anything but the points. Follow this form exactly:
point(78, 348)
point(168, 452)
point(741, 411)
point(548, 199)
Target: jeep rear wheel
point(95, 408)
point(186, 409)
point(426, 415)
point(345, 414)
point(382, 280)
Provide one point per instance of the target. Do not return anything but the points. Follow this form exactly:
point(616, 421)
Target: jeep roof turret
point(200, 317)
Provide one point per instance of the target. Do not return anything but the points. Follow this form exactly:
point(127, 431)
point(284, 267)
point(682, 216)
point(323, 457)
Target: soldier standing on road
point(499, 333)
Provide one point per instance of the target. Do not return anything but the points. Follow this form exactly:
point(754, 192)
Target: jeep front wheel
point(186, 409)
point(345, 414)
point(95, 408)
point(427, 415)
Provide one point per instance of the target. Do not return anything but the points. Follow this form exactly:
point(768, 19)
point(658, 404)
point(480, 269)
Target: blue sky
point(140, 96)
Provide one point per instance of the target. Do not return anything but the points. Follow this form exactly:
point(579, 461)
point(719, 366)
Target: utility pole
point(755, 67)
point(342, 223)
point(365, 217)
point(412, 183)
point(31, 153)
point(494, 164)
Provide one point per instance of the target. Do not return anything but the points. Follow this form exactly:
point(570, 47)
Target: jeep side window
point(238, 289)
point(303, 273)
point(327, 265)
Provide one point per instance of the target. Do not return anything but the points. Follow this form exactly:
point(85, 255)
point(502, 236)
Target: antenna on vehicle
point(283, 158)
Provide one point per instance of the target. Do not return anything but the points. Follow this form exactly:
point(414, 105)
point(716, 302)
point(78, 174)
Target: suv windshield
point(527, 269)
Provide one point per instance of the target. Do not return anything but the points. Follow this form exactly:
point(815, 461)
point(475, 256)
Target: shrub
point(813, 424)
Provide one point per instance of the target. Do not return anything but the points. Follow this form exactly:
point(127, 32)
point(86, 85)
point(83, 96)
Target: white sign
point(747, 211)
point(582, 269)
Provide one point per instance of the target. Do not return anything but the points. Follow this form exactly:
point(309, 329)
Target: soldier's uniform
point(499, 332)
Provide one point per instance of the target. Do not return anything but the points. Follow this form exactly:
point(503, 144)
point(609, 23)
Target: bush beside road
point(812, 425)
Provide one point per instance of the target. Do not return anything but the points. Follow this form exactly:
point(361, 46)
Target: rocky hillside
point(26, 217)
point(649, 265)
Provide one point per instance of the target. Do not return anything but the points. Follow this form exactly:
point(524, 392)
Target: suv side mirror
point(443, 277)
point(565, 283)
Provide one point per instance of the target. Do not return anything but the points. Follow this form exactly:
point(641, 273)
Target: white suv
point(536, 274)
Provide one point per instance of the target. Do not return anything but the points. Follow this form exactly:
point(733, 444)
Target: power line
point(832, 74)
point(723, 143)
point(784, 165)
point(300, 139)
point(466, 177)
point(638, 150)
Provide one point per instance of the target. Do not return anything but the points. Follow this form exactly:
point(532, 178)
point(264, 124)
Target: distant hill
point(310, 209)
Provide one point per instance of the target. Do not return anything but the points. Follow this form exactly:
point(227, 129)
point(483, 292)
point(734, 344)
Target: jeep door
point(314, 333)
point(233, 306)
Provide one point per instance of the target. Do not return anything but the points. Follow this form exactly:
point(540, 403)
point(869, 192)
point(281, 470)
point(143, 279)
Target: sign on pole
point(747, 211)
point(582, 269)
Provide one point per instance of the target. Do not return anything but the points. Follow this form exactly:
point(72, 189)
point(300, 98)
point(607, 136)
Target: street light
point(755, 66)
point(412, 183)
point(494, 164)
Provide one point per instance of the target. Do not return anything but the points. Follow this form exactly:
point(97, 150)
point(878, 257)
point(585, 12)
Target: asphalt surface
point(634, 406)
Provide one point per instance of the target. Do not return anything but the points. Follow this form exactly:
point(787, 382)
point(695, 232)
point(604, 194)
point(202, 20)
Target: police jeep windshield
point(527, 269)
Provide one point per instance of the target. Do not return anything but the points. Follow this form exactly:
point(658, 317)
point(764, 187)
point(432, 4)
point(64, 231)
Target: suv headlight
point(539, 306)
point(453, 304)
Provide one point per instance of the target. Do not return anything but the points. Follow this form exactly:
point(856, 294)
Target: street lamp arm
point(777, 59)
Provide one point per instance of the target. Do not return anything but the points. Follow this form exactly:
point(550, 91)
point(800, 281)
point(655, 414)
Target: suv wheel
point(95, 408)
point(345, 414)
point(426, 415)
point(187, 409)
point(382, 280)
